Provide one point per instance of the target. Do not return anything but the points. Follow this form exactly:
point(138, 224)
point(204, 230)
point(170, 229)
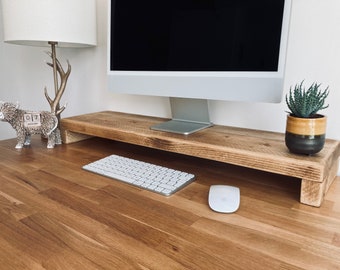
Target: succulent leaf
point(306, 103)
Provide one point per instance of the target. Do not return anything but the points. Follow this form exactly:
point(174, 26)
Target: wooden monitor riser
point(260, 150)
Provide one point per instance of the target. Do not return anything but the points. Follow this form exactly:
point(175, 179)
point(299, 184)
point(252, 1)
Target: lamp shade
point(71, 23)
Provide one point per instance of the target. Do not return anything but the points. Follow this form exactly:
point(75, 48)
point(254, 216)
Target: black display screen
point(195, 35)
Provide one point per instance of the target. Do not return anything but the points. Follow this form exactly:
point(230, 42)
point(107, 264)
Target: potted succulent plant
point(306, 128)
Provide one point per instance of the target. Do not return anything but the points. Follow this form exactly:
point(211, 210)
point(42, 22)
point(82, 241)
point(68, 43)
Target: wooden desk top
point(54, 215)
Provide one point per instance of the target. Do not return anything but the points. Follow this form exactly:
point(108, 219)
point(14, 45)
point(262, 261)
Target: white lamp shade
point(71, 23)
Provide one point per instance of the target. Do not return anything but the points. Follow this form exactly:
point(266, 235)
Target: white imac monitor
point(196, 50)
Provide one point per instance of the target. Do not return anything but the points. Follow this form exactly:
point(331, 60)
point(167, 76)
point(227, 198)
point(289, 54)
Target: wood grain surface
point(54, 215)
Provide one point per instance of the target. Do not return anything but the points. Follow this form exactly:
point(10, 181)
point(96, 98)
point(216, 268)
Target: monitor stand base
point(188, 116)
point(181, 126)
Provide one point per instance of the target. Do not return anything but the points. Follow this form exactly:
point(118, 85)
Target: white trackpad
point(224, 199)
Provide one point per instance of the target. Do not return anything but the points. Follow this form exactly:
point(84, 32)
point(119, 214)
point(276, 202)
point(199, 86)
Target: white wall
point(313, 55)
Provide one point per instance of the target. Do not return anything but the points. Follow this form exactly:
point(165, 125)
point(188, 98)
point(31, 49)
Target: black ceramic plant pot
point(305, 135)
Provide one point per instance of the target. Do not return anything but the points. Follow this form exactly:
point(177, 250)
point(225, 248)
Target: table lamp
point(54, 23)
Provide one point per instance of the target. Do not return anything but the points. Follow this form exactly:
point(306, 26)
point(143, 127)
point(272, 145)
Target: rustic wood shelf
point(261, 150)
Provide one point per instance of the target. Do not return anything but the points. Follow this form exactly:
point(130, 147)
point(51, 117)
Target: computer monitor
point(198, 50)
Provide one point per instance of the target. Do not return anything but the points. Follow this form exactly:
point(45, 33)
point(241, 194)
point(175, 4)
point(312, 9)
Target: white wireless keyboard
point(145, 175)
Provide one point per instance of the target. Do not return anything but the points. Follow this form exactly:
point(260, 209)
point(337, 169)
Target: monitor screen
point(199, 49)
point(211, 49)
point(188, 35)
